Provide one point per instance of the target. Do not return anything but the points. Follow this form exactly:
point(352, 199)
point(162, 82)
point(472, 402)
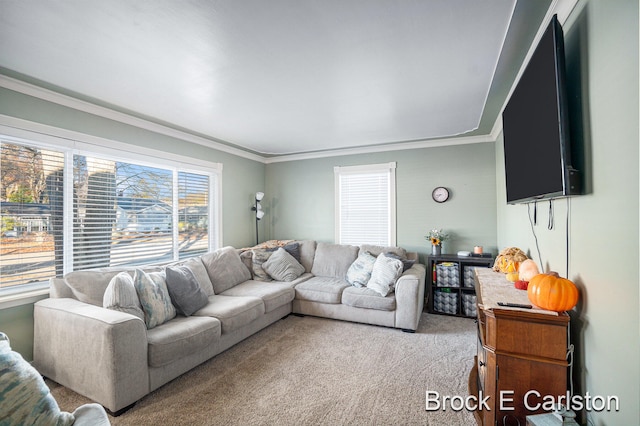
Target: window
point(366, 204)
point(65, 209)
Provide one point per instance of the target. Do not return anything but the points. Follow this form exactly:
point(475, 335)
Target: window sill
point(23, 298)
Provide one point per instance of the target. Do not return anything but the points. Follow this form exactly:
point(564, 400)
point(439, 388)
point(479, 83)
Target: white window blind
point(71, 206)
point(31, 205)
point(124, 213)
point(366, 204)
point(193, 214)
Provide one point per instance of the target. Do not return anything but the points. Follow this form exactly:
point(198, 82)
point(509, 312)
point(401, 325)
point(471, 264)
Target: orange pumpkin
point(552, 292)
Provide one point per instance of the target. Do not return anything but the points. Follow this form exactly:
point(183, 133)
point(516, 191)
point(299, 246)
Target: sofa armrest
point(410, 297)
point(97, 352)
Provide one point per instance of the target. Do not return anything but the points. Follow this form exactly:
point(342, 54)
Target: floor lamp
point(259, 212)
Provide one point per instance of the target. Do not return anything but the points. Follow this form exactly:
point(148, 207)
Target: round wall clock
point(440, 194)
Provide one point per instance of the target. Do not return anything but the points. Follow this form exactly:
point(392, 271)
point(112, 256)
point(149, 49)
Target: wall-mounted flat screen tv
point(537, 148)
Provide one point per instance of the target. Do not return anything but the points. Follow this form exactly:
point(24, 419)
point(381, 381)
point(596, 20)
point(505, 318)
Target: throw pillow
point(406, 263)
point(154, 298)
point(359, 272)
point(294, 250)
point(25, 397)
point(282, 266)
point(225, 269)
point(385, 273)
point(121, 295)
point(186, 294)
point(258, 257)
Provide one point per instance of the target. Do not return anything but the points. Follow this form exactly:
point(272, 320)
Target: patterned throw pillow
point(24, 396)
point(121, 295)
point(359, 272)
point(154, 298)
point(282, 266)
point(258, 257)
point(386, 272)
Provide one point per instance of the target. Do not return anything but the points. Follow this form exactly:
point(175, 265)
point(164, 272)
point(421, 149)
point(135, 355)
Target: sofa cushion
point(233, 311)
point(321, 289)
point(25, 398)
point(258, 257)
point(376, 250)
point(282, 266)
point(89, 286)
point(333, 260)
point(225, 268)
point(307, 253)
point(386, 272)
point(200, 272)
point(186, 294)
point(154, 297)
point(406, 263)
point(359, 272)
point(180, 337)
point(273, 294)
point(367, 298)
point(121, 295)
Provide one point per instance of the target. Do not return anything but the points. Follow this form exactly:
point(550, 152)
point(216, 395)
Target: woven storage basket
point(445, 302)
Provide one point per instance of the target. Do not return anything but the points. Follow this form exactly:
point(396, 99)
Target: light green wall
point(602, 50)
point(300, 196)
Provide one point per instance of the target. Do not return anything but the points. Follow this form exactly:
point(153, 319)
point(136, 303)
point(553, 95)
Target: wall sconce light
point(259, 212)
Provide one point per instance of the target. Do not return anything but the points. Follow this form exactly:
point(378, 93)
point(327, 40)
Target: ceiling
point(281, 76)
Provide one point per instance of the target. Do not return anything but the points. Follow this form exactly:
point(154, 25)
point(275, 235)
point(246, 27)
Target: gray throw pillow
point(282, 266)
point(121, 295)
point(154, 298)
point(360, 270)
point(386, 272)
point(186, 294)
point(294, 250)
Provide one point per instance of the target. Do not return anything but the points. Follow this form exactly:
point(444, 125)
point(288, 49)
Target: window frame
point(382, 168)
point(72, 143)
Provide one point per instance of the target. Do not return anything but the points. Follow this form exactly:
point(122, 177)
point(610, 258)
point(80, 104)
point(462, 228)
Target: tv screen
point(536, 128)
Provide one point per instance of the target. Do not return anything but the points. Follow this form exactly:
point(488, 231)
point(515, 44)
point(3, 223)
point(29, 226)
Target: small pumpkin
point(528, 269)
point(552, 292)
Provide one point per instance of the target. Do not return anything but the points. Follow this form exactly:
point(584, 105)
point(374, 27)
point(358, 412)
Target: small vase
point(436, 249)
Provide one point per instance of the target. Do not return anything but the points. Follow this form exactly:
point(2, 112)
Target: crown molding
point(427, 143)
point(110, 114)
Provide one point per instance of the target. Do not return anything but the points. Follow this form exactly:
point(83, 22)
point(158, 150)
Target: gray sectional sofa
point(112, 356)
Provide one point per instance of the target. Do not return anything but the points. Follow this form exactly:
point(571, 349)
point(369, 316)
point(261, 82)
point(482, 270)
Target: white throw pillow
point(121, 295)
point(386, 272)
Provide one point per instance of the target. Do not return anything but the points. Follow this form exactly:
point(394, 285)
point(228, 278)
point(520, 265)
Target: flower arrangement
point(437, 236)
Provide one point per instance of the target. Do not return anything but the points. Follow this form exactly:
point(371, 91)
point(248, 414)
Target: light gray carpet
point(313, 371)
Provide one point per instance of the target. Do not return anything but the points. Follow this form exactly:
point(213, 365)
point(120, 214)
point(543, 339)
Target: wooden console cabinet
point(521, 353)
